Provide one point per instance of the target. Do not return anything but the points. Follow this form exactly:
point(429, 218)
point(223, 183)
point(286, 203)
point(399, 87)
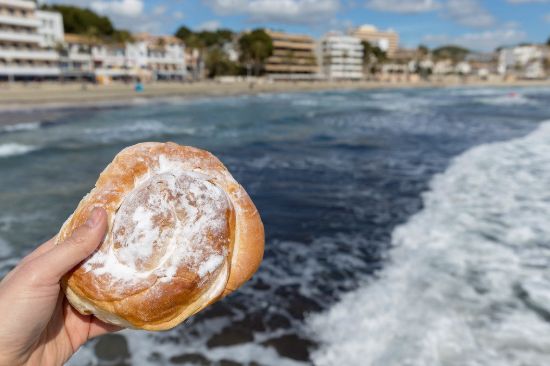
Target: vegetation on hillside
point(204, 39)
point(455, 53)
point(86, 22)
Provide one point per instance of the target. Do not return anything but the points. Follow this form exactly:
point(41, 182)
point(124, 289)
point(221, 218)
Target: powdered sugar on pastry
point(172, 219)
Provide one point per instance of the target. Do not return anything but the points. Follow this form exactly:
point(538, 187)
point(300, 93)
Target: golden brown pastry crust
point(154, 304)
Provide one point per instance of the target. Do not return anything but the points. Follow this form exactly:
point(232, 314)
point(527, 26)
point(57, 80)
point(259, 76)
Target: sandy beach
point(41, 101)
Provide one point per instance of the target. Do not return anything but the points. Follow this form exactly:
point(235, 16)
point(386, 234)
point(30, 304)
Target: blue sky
point(477, 24)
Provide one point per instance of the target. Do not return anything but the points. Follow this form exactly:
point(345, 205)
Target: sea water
point(403, 227)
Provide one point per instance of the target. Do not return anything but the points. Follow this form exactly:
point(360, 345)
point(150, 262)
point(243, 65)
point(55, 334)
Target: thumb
point(67, 254)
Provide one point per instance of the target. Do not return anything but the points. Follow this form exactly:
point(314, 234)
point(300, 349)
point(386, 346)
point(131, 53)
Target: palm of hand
point(40, 327)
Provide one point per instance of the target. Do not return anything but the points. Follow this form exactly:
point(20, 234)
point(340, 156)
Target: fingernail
point(94, 218)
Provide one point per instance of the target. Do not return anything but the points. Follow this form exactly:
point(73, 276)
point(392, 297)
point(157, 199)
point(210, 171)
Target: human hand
point(39, 327)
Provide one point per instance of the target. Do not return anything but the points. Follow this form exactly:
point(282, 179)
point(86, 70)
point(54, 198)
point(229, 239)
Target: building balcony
point(343, 61)
point(345, 75)
point(20, 37)
point(344, 46)
point(21, 4)
point(165, 60)
point(15, 54)
point(343, 68)
point(341, 51)
point(293, 45)
point(291, 68)
point(81, 57)
point(19, 21)
point(28, 70)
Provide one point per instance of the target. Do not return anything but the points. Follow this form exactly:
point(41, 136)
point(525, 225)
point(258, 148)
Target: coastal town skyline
point(474, 24)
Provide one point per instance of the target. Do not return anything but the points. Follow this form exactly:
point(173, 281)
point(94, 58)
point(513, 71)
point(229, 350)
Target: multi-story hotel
point(341, 57)
point(27, 41)
point(292, 54)
point(388, 40)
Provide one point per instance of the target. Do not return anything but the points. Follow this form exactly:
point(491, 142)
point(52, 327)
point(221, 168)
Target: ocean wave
point(13, 149)
point(140, 129)
point(510, 99)
point(27, 126)
point(467, 281)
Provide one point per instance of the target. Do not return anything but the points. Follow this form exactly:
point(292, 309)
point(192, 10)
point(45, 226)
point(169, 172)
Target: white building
point(146, 57)
point(76, 58)
point(162, 56)
point(341, 57)
point(524, 61)
point(26, 40)
point(51, 28)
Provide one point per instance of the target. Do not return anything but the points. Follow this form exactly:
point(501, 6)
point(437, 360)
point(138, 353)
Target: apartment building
point(526, 61)
point(387, 40)
point(51, 28)
point(341, 57)
point(147, 57)
point(27, 41)
point(292, 55)
point(76, 57)
point(163, 56)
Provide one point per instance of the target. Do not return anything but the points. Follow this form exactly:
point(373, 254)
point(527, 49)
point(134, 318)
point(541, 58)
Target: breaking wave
point(27, 126)
point(12, 149)
point(467, 282)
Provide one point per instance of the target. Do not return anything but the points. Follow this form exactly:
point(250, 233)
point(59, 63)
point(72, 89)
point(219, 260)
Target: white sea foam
point(142, 344)
point(129, 131)
point(467, 282)
point(21, 127)
point(13, 148)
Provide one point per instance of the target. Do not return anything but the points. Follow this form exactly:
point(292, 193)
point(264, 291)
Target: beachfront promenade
point(17, 96)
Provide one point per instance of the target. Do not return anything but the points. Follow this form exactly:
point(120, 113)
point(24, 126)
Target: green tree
point(423, 50)
point(548, 42)
point(373, 56)
point(82, 21)
point(122, 36)
point(380, 55)
point(217, 63)
point(215, 38)
point(183, 33)
point(255, 47)
point(455, 53)
point(204, 39)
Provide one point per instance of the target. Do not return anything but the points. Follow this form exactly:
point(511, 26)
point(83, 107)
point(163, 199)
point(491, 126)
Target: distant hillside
point(86, 22)
point(82, 21)
point(455, 53)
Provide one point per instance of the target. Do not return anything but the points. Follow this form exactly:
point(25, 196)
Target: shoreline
point(24, 103)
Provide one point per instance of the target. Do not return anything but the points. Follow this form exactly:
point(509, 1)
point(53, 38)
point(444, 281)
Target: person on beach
point(39, 327)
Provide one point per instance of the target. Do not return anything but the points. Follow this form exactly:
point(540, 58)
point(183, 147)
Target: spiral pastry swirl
point(182, 233)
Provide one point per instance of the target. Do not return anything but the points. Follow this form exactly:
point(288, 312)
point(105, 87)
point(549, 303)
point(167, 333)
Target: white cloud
point(469, 13)
point(403, 6)
point(279, 11)
point(547, 17)
point(482, 41)
point(159, 10)
point(178, 15)
point(210, 25)
point(127, 8)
